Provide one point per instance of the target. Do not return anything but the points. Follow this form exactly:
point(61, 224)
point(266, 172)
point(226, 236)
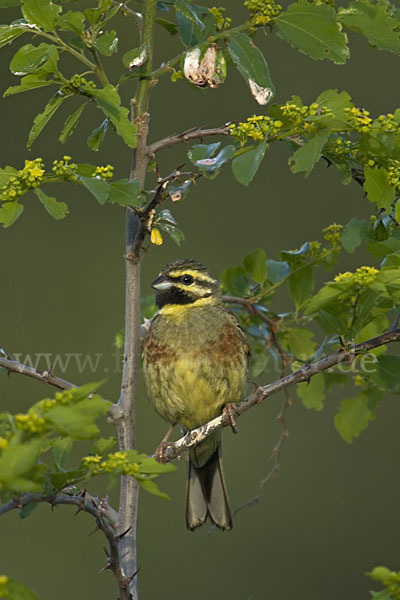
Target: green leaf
point(328, 294)
point(354, 414)
point(107, 43)
point(42, 13)
point(170, 27)
point(8, 33)
point(173, 231)
point(61, 479)
point(386, 373)
point(202, 151)
point(234, 281)
point(374, 21)
point(27, 510)
point(301, 284)
point(9, 213)
point(255, 264)
point(195, 23)
point(245, 166)
point(109, 101)
point(210, 166)
point(259, 362)
point(96, 138)
point(378, 187)
point(397, 211)
point(57, 210)
point(19, 591)
point(17, 460)
point(336, 102)
point(306, 156)
point(61, 449)
point(277, 270)
point(125, 193)
point(99, 188)
point(298, 342)
point(72, 21)
point(29, 82)
point(71, 123)
point(150, 486)
point(41, 120)
point(353, 234)
point(312, 28)
point(312, 393)
point(29, 58)
point(148, 464)
point(103, 445)
point(188, 11)
point(8, 3)
point(252, 65)
point(77, 421)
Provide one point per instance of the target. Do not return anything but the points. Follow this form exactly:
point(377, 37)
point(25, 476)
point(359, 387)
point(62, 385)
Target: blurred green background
point(332, 512)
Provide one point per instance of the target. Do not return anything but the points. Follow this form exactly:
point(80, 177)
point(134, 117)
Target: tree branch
point(47, 377)
point(194, 437)
point(106, 521)
point(185, 136)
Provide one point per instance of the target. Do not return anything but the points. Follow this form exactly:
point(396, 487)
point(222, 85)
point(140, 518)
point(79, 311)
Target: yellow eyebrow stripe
point(196, 274)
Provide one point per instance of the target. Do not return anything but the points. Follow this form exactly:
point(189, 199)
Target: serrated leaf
point(301, 284)
point(312, 28)
point(99, 188)
point(125, 193)
point(8, 33)
point(255, 264)
point(107, 43)
point(71, 123)
point(298, 341)
point(354, 414)
point(72, 21)
point(312, 393)
point(353, 234)
point(96, 138)
point(17, 460)
point(109, 101)
point(252, 65)
point(245, 166)
point(77, 421)
point(378, 187)
point(9, 213)
point(41, 120)
point(29, 82)
point(42, 13)
point(374, 21)
point(307, 155)
point(57, 210)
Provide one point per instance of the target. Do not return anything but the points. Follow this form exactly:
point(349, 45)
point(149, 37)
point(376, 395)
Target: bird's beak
point(161, 284)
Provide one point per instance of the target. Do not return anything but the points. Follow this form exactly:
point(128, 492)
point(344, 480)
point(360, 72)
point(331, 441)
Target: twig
point(185, 136)
point(194, 437)
point(13, 366)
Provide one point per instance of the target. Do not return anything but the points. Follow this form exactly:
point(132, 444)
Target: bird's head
point(185, 281)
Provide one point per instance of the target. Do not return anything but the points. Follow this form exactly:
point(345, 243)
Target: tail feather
point(206, 494)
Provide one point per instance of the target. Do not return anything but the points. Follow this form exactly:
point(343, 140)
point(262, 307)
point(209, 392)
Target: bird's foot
point(229, 414)
point(159, 453)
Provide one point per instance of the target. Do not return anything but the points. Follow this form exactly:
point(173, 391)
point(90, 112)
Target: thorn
point(78, 510)
point(107, 566)
point(123, 534)
point(132, 577)
point(106, 551)
point(82, 493)
point(97, 528)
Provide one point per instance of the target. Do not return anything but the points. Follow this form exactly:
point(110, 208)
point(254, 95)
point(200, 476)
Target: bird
point(195, 358)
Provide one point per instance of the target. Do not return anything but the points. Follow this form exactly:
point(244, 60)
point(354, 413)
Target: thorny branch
point(186, 136)
point(105, 517)
point(13, 366)
point(194, 437)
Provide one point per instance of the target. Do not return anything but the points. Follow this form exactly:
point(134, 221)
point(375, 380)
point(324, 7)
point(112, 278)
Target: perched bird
point(195, 362)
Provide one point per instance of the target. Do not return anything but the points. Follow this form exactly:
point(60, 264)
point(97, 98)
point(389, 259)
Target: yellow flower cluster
point(333, 234)
point(64, 168)
point(359, 119)
point(105, 173)
point(218, 13)
point(315, 249)
point(30, 422)
point(258, 127)
point(362, 278)
point(116, 461)
point(387, 123)
point(342, 148)
point(4, 592)
point(76, 83)
point(394, 173)
point(31, 176)
point(3, 443)
point(263, 11)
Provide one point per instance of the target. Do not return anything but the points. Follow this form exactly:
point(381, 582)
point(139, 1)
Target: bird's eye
point(187, 279)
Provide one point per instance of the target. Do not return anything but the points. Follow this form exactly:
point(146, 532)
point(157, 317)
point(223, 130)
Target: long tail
point(206, 494)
